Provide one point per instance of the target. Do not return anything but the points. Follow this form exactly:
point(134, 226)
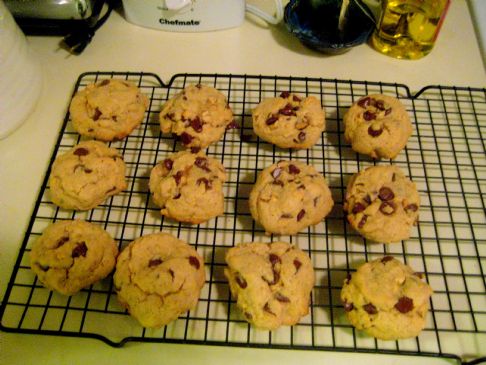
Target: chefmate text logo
point(177, 22)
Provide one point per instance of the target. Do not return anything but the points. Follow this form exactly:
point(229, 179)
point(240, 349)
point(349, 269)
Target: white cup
point(20, 75)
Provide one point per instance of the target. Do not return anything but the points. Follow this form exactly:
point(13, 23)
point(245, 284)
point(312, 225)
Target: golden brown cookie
point(73, 254)
point(382, 204)
point(386, 299)
point(377, 125)
point(271, 282)
point(108, 110)
point(158, 277)
point(289, 121)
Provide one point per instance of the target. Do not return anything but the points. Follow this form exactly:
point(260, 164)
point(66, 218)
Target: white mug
point(194, 15)
point(20, 75)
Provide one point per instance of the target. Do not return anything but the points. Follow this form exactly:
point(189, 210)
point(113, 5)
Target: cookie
point(288, 197)
point(71, 255)
point(377, 125)
point(108, 110)
point(86, 175)
point(158, 277)
point(386, 299)
point(188, 187)
point(289, 121)
point(198, 115)
point(271, 282)
point(382, 204)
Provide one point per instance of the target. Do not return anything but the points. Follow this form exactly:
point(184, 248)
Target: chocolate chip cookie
point(289, 121)
point(188, 187)
point(386, 299)
point(271, 282)
point(288, 197)
point(382, 204)
point(198, 115)
point(86, 175)
point(158, 277)
point(71, 255)
point(108, 110)
point(377, 125)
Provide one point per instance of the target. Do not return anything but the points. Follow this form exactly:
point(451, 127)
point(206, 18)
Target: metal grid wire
point(445, 157)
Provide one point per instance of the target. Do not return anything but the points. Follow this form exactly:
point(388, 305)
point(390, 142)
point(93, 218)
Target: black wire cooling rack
point(445, 157)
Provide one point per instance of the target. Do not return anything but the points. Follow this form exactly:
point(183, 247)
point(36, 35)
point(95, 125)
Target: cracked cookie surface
point(289, 121)
point(158, 277)
point(289, 196)
point(386, 299)
point(107, 110)
point(86, 175)
point(188, 187)
point(271, 282)
point(382, 204)
point(72, 255)
point(198, 115)
point(377, 125)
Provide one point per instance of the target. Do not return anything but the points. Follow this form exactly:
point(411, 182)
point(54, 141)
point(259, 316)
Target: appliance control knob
point(177, 4)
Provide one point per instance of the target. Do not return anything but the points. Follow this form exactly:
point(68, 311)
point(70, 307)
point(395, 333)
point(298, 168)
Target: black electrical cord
point(77, 40)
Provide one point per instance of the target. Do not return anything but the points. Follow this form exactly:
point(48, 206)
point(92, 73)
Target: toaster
point(54, 17)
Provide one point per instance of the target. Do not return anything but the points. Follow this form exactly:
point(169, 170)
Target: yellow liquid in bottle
point(408, 28)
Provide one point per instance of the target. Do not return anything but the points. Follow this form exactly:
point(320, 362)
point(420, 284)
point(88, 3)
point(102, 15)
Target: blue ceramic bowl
point(315, 24)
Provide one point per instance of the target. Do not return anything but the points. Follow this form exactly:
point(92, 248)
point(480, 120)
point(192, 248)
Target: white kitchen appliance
point(195, 15)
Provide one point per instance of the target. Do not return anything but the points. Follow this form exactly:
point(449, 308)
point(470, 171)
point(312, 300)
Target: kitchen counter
point(253, 48)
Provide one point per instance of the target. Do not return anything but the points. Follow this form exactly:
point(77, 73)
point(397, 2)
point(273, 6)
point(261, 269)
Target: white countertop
point(252, 48)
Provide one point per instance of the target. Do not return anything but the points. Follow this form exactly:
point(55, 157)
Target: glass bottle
point(409, 28)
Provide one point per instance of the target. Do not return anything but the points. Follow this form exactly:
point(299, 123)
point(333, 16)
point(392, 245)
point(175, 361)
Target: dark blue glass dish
point(315, 24)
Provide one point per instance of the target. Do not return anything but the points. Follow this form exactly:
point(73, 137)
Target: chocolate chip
point(62, 241)
point(193, 261)
point(364, 102)
point(240, 281)
point(388, 111)
point(195, 149)
point(348, 307)
point(411, 208)
point(197, 125)
point(348, 278)
point(302, 187)
point(374, 132)
point(367, 199)
point(278, 182)
point(178, 196)
point(297, 264)
point(206, 182)
point(380, 105)
point(202, 163)
point(286, 216)
point(362, 222)
point(296, 98)
point(266, 308)
point(178, 177)
point(104, 82)
point(281, 298)
point(404, 305)
point(171, 272)
point(301, 136)
point(274, 259)
point(285, 94)
point(88, 171)
point(370, 308)
point(367, 115)
point(155, 262)
point(276, 278)
point(248, 316)
point(358, 207)
point(300, 215)
point(44, 268)
point(287, 110)
point(186, 138)
point(276, 172)
point(80, 151)
point(386, 194)
point(168, 163)
point(233, 125)
point(80, 250)
point(271, 120)
point(386, 259)
point(294, 170)
point(97, 114)
point(387, 208)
